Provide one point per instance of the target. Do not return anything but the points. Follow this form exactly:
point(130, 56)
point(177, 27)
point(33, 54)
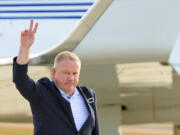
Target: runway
point(148, 129)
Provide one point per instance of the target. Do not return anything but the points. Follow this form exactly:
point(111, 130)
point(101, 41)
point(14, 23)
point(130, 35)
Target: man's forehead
point(69, 64)
point(69, 61)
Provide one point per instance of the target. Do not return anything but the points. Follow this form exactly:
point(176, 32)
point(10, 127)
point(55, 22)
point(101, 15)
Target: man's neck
point(70, 93)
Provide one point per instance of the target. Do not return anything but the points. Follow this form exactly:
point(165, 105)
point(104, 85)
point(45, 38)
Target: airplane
point(109, 36)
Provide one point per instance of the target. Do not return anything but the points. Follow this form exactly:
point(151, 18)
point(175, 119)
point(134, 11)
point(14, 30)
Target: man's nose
point(70, 77)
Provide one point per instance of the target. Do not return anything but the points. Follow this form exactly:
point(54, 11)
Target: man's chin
point(70, 88)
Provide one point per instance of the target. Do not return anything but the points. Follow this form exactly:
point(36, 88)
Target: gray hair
point(66, 55)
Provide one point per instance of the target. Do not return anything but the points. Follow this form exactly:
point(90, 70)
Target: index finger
point(31, 25)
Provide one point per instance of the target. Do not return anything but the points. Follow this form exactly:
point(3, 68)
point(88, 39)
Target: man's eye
point(75, 73)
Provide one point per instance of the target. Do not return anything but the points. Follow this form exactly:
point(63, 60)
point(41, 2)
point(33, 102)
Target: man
point(59, 107)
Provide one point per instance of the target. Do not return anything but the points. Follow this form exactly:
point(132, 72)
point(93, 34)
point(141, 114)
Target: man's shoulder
point(44, 81)
point(88, 89)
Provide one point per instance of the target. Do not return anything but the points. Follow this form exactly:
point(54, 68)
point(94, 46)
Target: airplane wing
point(69, 42)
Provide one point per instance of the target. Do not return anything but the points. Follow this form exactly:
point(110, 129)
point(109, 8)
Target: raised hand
point(28, 35)
point(27, 39)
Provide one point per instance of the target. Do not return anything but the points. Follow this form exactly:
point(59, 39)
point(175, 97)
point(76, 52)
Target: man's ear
point(53, 72)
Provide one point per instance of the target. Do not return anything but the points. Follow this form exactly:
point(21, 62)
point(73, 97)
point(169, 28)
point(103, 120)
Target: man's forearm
point(23, 56)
